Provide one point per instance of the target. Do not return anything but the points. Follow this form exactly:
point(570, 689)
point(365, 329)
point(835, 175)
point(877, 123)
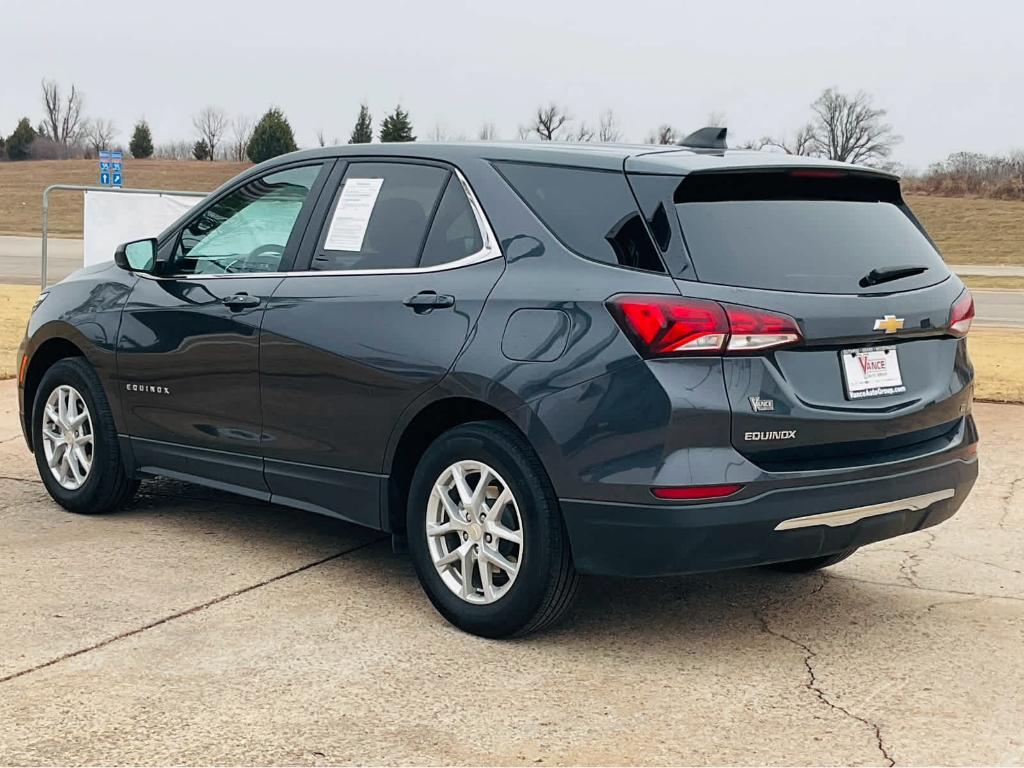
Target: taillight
point(961, 314)
point(663, 325)
point(753, 329)
point(660, 325)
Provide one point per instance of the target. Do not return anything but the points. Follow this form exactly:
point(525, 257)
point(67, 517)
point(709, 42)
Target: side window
point(380, 216)
point(592, 212)
point(248, 229)
point(454, 233)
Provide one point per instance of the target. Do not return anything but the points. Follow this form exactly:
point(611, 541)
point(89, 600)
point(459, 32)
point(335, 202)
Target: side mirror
point(136, 256)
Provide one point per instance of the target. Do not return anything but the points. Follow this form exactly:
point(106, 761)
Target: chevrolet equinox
point(527, 362)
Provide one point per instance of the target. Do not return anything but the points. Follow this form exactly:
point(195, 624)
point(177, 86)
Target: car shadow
point(713, 607)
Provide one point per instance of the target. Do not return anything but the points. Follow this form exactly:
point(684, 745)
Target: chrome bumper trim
point(847, 516)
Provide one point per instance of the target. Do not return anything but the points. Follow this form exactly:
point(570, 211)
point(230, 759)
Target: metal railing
point(97, 188)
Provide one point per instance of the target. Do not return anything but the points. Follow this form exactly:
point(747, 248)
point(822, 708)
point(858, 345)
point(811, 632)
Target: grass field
point(22, 185)
point(994, 281)
point(973, 231)
point(968, 230)
point(998, 355)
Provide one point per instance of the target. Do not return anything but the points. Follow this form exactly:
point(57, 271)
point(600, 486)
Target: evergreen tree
point(141, 144)
point(201, 150)
point(363, 132)
point(271, 137)
point(19, 143)
point(396, 126)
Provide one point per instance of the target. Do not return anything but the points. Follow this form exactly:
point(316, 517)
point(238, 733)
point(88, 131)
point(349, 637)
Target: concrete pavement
point(200, 628)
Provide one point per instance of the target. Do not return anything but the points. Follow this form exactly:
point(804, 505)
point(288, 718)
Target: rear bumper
point(776, 526)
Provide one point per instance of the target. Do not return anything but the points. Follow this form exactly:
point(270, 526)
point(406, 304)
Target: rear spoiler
point(706, 138)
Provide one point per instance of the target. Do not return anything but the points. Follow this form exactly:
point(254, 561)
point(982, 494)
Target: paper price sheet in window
point(352, 214)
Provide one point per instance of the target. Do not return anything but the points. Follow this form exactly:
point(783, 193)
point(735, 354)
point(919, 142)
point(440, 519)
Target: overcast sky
point(951, 74)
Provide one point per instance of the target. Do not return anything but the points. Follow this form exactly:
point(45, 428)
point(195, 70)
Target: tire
point(105, 486)
point(811, 563)
point(544, 581)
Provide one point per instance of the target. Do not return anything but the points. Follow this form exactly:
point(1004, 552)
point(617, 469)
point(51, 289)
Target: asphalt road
point(200, 628)
point(19, 263)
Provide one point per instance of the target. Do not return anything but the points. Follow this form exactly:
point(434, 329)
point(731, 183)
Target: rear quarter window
point(592, 212)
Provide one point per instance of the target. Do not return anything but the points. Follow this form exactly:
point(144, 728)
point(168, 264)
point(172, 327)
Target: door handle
point(424, 301)
point(241, 301)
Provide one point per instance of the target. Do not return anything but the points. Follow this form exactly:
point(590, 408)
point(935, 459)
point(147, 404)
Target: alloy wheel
point(68, 440)
point(474, 532)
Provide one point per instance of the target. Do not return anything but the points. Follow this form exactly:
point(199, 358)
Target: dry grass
point(998, 355)
point(994, 281)
point(998, 358)
point(15, 303)
point(22, 185)
point(973, 230)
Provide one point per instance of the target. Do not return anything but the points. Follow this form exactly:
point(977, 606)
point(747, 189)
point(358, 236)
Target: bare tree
point(803, 142)
point(664, 134)
point(717, 119)
point(487, 132)
point(98, 134)
point(549, 121)
point(581, 132)
point(851, 128)
point(241, 134)
point(524, 132)
point(63, 121)
point(321, 140)
point(210, 123)
point(608, 127)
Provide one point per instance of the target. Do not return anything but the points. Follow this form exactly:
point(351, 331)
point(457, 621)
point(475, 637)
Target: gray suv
point(527, 362)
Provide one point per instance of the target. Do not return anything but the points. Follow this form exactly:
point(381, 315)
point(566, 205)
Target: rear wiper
point(886, 274)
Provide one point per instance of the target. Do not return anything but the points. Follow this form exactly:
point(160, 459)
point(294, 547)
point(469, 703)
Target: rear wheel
point(811, 563)
point(75, 441)
point(486, 534)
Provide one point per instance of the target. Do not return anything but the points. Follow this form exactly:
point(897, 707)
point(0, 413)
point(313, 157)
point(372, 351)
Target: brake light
point(664, 325)
point(694, 492)
point(817, 173)
point(961, 314)
point(754, 329)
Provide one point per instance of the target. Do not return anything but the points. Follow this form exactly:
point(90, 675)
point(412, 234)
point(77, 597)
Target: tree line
point(847, 127)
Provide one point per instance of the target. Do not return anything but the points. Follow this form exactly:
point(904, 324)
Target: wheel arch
point(46, 355)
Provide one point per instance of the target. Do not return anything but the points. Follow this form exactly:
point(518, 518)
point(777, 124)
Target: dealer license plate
point(872, 372)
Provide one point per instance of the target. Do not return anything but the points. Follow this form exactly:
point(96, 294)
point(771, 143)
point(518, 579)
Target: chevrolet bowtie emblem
point(889, 324)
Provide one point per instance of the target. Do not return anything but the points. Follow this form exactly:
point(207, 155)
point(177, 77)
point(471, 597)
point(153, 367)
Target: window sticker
point(352, 214)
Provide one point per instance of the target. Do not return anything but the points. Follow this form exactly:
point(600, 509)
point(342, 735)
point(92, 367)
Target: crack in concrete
point(1008, 498)
point(909, 564)
point(986, 595)
point(21, 479)
point(814, 686)
point(187, 611)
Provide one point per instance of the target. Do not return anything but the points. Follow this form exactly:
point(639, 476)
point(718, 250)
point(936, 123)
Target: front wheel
point(75, 441)
point(486, 534)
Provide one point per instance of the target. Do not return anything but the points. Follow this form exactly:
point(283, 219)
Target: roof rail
point(706, 138)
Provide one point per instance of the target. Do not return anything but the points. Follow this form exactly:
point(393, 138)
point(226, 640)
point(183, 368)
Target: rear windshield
point(813, 235)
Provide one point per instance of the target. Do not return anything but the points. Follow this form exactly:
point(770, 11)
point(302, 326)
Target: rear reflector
point(694, 492)
point(961, 314)
point(669, 325)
